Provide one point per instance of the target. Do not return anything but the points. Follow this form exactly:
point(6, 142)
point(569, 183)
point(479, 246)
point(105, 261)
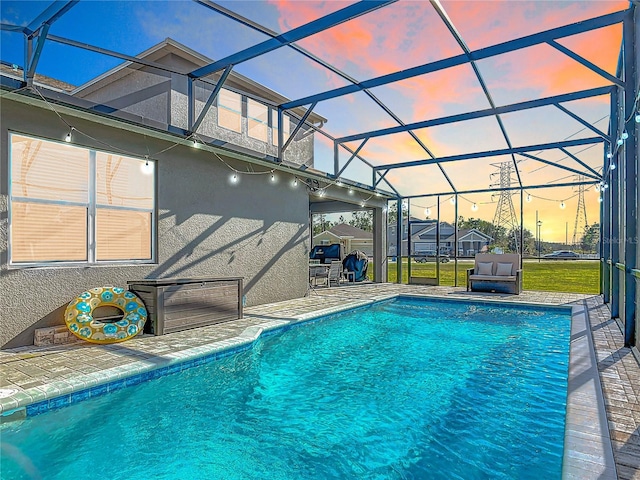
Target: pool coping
point(588, 451)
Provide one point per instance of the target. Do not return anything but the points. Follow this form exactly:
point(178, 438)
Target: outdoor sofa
point(495, 273)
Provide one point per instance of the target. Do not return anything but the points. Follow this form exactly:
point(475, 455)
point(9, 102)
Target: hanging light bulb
point(562, 205)
point(339, 182)
point(453, 200)
point(68, 137)
point(273, 177)
point(321, 193)
point(624, 135)
point(612, 166)
point(598, 188)
point(195, 143)
point(350, 191)
point(609, 155)
point(605, 186)
point(599, 198)
point(234, 178)
point(637, 117)
point(528, 197)
point(378, 194)
point(427, 212)
point(362, 203)
point(146, 168)
point(620, 141)
point(474, 207)
point(295, 181)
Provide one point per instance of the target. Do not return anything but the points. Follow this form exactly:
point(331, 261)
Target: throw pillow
point(485, 268)
point(504, 269)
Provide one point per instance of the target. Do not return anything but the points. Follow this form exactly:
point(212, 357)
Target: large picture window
point(230, 110)
point(70, 204)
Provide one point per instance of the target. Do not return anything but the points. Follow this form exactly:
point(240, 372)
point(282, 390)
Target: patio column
point(630, 192)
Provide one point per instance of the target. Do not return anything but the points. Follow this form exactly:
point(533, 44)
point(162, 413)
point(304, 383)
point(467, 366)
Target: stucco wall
point(162, 97)
point(207, 227)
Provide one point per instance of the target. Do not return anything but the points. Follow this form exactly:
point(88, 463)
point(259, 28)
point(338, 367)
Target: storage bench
point(176, 304)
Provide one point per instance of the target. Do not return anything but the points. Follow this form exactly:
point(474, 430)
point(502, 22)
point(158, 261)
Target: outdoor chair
point(335, 273)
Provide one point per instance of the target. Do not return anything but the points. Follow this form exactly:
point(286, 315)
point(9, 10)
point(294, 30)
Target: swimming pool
point(403, 389)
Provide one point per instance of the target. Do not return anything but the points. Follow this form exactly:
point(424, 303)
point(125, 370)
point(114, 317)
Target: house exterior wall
point(162, 97)
point(206, 227)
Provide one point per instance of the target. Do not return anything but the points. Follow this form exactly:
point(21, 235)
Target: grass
point(576, 276)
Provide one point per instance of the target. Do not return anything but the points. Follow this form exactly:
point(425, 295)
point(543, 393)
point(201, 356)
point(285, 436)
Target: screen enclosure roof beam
point(316, 26)
point(493, 153)
point(541, 102)
point(487, 52)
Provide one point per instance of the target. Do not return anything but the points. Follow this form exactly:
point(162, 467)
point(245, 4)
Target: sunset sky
point(402, 35)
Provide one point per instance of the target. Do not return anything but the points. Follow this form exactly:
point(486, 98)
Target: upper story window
point(70, 204)
point(257, 117)
point(230, 110)
point(285, 126)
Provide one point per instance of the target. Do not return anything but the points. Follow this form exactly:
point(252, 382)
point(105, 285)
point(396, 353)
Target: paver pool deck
point(603, 436)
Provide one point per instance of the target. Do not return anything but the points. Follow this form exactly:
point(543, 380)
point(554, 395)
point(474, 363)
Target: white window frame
point(91, 206)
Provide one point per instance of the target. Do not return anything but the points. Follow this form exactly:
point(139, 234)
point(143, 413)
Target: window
point(257, 115)
point(62, 197)
point(285, 127)
point(230, 110)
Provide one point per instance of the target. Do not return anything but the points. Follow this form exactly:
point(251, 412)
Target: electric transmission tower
point(505, 215)
point(581, 214)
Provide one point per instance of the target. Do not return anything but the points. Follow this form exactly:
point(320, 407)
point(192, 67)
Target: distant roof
point(345, 230)
point(18, 74)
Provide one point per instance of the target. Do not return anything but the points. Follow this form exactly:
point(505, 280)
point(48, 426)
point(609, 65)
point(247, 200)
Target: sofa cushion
point(504, 269)
point(484, 268)
point(492, 278)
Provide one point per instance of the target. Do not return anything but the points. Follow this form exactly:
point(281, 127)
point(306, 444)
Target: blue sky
point(405, 34)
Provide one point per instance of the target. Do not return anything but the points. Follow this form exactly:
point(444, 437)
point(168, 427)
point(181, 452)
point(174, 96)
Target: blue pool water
point(406, 389)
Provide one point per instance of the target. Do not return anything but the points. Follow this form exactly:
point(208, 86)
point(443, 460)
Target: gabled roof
point(344, 230)
point(160, 53)
point(463, 232)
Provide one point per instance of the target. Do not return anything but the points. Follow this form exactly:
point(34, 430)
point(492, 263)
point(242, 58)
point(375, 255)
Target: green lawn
point(578, 276)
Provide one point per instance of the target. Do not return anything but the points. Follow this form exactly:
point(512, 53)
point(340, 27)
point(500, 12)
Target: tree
point(362, 219)
point(591, 237)
point(320, 223)
point(392, 213)
point(528, 241)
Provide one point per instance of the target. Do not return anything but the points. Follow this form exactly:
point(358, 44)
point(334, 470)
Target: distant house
point(423, 238)
point(352, 238)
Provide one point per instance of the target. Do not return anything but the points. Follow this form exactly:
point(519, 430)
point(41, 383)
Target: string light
point(598, 188)
point(609, 155)
point(453, 200)
point(612, 166)
point(637, 117)
point(338, 183)
point(562, 205)
point(528, 197)
point(195, 143)
point(295, 181)
point(234, 178)
point(474, 207)
point(620, 141)
point(624, 135)
point(599, 198)
point(350, 191)
point(427, 212)
point(68, 137)
point(273, 177)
